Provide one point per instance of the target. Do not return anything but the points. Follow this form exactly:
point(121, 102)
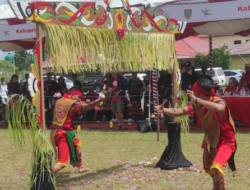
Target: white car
point(218, 75)
point(236, 73)
point(141, 76)
point(68, 82)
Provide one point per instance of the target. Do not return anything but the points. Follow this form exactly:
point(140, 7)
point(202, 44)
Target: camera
point(113, 92)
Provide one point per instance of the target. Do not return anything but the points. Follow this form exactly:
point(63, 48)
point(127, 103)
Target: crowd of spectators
point(123, 99)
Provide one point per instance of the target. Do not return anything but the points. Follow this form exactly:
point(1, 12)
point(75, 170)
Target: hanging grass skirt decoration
point(105, 50)
point(181, 103)
point(21, 115)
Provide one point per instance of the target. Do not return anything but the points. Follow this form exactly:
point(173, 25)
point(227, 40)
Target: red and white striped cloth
point(210, 54)
point(155, 92)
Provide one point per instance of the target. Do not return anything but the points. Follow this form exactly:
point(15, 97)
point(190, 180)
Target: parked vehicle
point(92, 81)
point(68, 82)
point(218, 75)
point(236, 73)
point(141, 76)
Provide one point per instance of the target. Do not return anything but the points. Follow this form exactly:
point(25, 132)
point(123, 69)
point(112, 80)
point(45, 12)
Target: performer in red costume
point(63, 136)
point(219, 142)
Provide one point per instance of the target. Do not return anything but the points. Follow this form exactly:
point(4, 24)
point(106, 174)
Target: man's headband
point(197, 89)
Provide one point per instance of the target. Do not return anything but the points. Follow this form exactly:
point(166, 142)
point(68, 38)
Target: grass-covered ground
point(116, 162)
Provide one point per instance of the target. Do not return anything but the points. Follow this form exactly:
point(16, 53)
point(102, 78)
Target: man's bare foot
point(82, 169)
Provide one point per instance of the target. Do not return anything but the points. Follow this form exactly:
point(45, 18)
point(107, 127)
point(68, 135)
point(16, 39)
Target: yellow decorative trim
point(79, 144)
point(34, 98)
point(62, 163)
point(218, 167)
point(33, 70)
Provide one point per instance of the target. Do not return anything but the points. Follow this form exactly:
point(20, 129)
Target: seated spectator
point(105, 113)
point(134, 111)
point(233, 86)
point(92, 95)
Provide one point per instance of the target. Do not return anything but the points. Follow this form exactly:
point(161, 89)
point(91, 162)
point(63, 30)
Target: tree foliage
point(221, 58)
point(23, 59)
point(6, 69)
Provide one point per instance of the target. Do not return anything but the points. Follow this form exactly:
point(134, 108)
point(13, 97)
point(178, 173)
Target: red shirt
point(236, 89)
point(115, 87)
point(227, 133)
point(92, 97)
point(246, 79)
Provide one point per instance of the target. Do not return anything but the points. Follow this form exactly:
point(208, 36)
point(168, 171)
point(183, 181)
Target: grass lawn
point(115, 157)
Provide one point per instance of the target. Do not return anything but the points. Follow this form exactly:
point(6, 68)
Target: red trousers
point(63, 149)
point(219, 160)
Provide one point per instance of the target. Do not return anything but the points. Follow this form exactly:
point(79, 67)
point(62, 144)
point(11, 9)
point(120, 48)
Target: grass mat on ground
point(124, 160)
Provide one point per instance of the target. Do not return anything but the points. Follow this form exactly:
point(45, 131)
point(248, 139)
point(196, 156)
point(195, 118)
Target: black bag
point(144, 127)
point(172, 157)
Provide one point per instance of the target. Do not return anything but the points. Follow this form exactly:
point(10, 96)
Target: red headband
point(197, 89)
point(75, 92)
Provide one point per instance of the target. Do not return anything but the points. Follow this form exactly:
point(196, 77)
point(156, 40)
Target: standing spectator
point(92, 95)
point(14, 86)
point(77, 83)
point(3, 90)
point(26, 92)
point(164, 83)
point(135, 87)
point(148, 80)
point(52, 88)
point(195, 76)
point(245, 79)
point(117, 87)
point(186, 77)
point(61, 86)
point(204, 74)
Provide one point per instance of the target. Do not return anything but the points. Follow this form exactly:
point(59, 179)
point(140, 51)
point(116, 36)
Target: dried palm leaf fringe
point(103, 49)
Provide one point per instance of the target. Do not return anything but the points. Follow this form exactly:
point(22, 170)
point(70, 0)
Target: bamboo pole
point(173, 90)
point(158, 121)
point(39, 35)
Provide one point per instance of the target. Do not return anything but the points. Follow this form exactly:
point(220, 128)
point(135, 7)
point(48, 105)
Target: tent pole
point(211, 55)
point(39, 35)
point(149, 100)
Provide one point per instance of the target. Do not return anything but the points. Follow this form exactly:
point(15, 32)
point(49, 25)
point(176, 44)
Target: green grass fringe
point(23, 123)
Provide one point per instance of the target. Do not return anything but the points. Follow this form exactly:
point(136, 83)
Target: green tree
point(221, 58)
point(23, 59)
point(201, 60)
point(6, 69)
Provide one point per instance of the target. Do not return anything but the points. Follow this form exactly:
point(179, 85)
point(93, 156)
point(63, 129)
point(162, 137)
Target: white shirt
point(3, 90)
